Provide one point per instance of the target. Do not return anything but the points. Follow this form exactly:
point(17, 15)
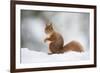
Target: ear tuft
point(51, 24)
point(47, 24)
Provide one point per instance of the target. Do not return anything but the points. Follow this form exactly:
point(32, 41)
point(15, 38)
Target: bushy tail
point(73, 46)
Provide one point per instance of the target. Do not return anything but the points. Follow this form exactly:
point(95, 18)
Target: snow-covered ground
point(29, 56)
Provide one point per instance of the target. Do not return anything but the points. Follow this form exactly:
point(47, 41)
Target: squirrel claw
point(45, 40)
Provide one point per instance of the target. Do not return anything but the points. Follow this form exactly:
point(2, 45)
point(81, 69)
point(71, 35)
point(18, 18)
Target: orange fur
point(57, 43)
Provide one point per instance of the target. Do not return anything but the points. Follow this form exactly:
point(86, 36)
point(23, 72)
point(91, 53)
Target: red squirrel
point(56, 45)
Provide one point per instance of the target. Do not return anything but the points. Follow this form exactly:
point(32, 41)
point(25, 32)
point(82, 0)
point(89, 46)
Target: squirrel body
point(56, 44)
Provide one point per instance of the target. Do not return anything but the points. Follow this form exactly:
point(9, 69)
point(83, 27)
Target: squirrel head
point(49, 28)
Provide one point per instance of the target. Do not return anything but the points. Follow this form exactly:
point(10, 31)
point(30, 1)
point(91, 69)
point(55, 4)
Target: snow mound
point(28, 56)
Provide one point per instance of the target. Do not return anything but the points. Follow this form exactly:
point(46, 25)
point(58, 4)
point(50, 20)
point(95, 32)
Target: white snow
point(29, 56)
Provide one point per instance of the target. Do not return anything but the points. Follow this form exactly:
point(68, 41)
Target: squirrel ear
point(50, 24)
point(46, 24)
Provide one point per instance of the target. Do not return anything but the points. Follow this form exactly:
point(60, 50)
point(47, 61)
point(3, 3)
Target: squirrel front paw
point(45, 40)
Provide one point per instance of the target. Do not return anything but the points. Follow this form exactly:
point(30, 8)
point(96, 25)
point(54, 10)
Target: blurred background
point(71, 25)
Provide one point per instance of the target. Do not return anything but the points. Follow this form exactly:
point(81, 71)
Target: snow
point(29, 56)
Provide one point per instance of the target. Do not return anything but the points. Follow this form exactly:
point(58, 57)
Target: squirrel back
point(57, 42)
